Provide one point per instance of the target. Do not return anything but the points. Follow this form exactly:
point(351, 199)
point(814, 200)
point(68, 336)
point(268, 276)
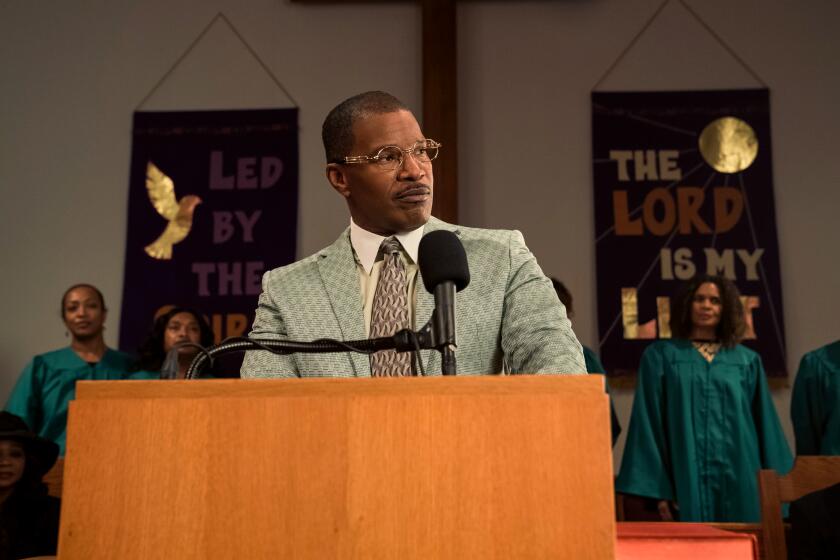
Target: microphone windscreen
point(442, 258)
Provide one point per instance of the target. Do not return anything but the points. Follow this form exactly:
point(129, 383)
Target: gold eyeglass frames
point(390, 158)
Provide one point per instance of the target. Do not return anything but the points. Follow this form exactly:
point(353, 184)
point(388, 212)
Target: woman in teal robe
point(815, 403)
point(172, 344)
point(703, 420)
point(48, 382)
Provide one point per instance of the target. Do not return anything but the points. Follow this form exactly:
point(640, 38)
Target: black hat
point(44, 451)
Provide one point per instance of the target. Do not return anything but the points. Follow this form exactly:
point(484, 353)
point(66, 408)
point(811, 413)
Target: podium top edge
point(324, 386)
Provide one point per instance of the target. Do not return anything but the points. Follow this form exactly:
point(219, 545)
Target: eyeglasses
point(389, 158)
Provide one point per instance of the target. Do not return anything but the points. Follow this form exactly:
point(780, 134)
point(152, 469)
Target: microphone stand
point(405, 340)
point(442, 326)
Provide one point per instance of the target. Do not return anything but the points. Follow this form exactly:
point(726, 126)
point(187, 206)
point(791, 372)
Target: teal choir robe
point(699, 432)
point(593, 365)
point(148, 375)
point(48, 384)
point(815, 403)
point(143, 375)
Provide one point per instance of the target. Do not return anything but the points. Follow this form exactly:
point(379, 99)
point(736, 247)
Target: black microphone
point(444, 268)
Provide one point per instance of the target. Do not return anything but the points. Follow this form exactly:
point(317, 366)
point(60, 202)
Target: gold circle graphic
point(728, 144)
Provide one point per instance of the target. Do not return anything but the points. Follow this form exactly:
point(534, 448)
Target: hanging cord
point(724, 44)
point(700, 20)
point(631, 44)
point(197, 40)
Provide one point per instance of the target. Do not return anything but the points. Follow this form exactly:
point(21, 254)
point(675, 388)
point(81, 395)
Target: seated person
point(28, 516)
point(593, 364)
point(156, 358)
point(815, 402)
point(48, 382)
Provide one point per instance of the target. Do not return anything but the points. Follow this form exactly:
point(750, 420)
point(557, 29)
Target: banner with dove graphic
point(213, 199)
point(683, 185)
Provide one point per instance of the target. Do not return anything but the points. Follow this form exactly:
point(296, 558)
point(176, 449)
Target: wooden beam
point(440, 97)
point(440, 94)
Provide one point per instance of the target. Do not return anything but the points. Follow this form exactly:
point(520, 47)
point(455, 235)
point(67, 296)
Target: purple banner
point(212, 205)
point(683, 186)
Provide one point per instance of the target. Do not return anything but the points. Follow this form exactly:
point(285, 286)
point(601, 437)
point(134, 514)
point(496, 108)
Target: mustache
point(412, 189)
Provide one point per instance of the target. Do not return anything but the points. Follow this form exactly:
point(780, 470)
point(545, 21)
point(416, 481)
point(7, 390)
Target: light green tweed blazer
point(508, 314)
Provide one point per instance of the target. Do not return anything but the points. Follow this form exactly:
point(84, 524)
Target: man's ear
point(337, 176)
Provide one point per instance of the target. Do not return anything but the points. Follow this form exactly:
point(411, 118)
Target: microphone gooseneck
point(402, 341)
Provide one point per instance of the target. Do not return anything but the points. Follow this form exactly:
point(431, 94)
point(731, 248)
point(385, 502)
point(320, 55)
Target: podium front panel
point(492, 467)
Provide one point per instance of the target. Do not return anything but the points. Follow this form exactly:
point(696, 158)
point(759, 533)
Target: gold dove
point(179, 213)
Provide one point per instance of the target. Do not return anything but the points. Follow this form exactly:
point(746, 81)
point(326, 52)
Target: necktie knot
point(390, 246)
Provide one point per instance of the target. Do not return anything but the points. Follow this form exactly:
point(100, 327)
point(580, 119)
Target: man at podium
point(367, 283)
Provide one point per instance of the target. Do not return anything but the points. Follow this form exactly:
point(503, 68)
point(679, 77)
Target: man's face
point(380, 201)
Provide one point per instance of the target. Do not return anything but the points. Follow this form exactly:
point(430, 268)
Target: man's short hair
point(337, 131)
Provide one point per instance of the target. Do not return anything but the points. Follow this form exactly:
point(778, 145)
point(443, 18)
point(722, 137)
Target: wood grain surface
point(490, 467)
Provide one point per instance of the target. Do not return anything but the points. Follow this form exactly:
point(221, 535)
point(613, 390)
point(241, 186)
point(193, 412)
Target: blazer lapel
point(422, 314)
point(337, 267)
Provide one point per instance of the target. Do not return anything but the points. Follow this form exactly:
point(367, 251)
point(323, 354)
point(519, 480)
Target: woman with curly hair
point(175, 327)
point(28, 516)
point(703, 421)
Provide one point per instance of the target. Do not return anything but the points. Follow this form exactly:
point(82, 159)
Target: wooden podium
point(440, 467)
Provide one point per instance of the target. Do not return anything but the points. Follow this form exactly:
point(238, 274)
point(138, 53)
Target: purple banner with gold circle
point(213, 200)
point(683, 185)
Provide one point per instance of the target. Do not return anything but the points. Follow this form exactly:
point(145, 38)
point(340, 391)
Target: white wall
point(73, 72)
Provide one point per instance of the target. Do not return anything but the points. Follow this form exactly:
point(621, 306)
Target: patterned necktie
point(390, 312)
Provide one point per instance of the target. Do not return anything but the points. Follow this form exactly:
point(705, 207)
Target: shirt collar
point(366, 244)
